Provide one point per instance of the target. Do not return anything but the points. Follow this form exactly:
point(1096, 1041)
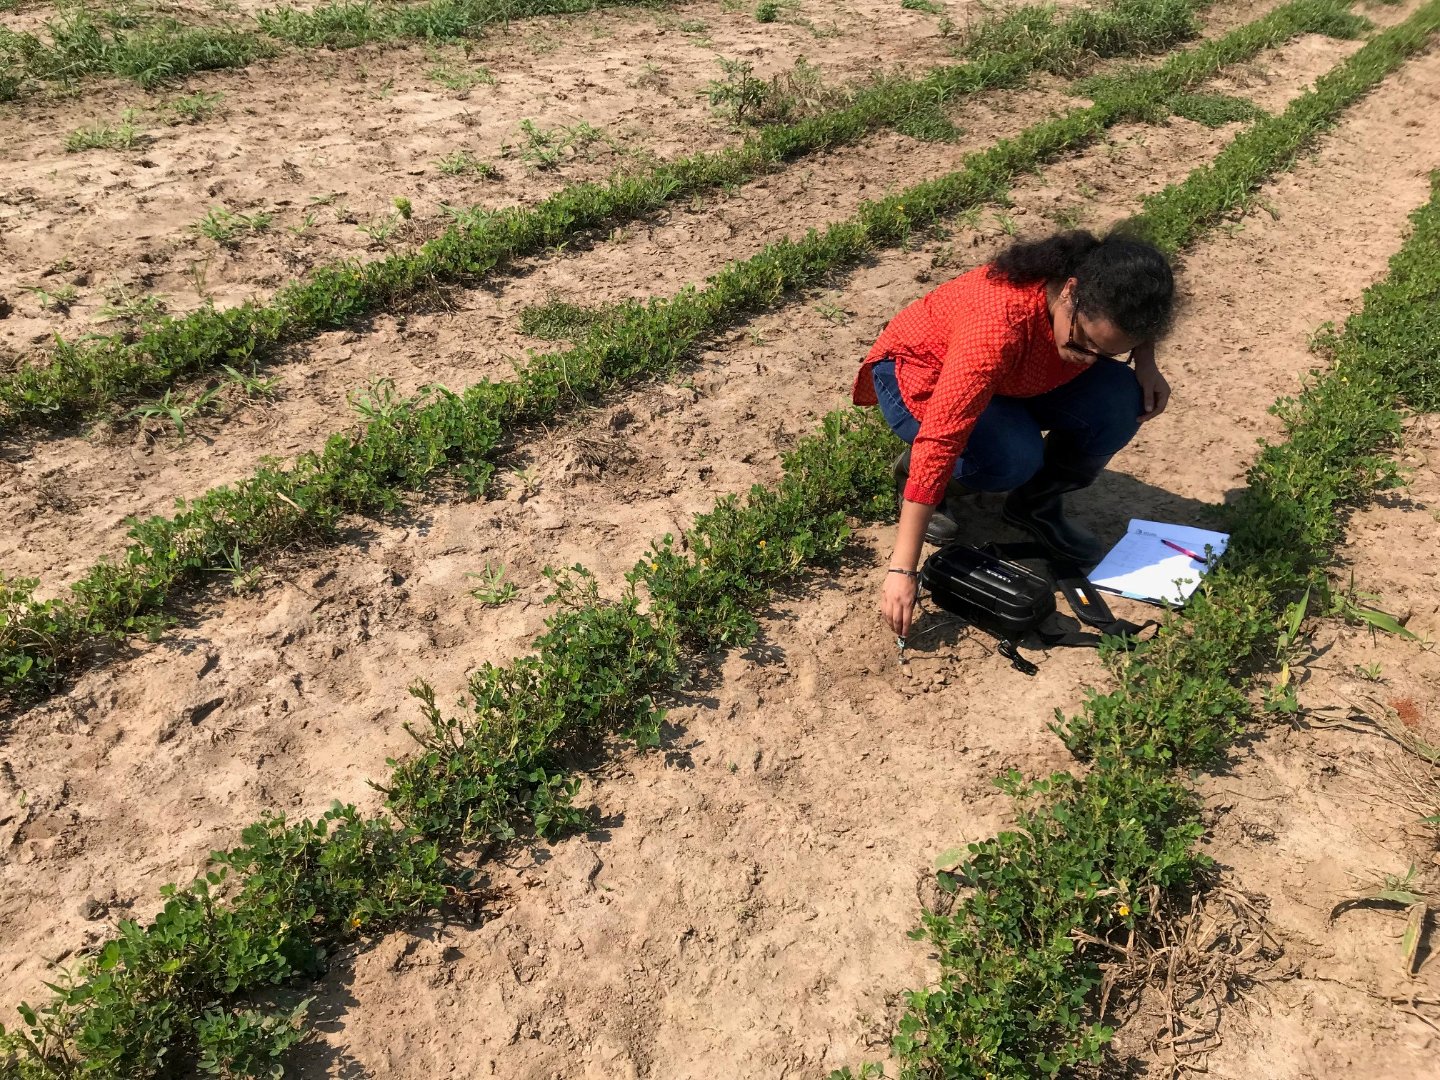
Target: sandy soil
point(744, 906)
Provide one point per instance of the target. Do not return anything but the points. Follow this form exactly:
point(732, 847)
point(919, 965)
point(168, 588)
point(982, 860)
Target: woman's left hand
point(1154, 389)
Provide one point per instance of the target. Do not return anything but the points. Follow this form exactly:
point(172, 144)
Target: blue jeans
point(1098, 411)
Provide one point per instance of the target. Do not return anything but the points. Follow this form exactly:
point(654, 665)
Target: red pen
point(1181, 550)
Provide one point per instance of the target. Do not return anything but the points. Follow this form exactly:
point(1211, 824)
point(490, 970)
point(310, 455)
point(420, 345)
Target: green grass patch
point(122, 136)
point(405, 444)
point(558, 320)
point(1066, 46)
point(345, 24)
point(1215, 110)
point(929, 124)
point(158, 52)
point(464, 80)
point(463, 163)
point(85, 378)
point(194, 108)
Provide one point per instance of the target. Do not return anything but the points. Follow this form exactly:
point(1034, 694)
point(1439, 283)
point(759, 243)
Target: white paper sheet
point(1141, 567)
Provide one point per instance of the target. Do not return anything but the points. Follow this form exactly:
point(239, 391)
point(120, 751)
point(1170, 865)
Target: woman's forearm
point(910, 536)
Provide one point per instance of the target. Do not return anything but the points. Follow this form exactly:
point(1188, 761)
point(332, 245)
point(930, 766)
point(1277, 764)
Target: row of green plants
point(83, 378)
point(179, 990)
point(154, 50)
point(1099, 857)
point(407, 442)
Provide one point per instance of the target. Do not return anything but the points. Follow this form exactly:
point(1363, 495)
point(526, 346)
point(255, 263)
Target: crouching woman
point(975, 373)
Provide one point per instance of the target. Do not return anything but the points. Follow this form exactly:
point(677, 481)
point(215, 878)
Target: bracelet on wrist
point(913, 574)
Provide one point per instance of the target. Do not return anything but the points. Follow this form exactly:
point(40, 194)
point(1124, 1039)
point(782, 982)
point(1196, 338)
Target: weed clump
point(122, 136)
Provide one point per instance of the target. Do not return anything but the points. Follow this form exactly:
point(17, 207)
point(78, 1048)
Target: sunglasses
point(1075, 346)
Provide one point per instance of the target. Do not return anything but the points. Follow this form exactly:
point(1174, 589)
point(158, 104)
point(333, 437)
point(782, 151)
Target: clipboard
point(1143, 567)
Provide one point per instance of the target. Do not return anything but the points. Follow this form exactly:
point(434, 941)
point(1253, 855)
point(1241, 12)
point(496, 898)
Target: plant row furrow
point(409, 441)
point(83, 378)
point(178, 989)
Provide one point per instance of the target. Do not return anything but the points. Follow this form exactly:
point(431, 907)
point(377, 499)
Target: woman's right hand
point(897, 596)
point(897, 602)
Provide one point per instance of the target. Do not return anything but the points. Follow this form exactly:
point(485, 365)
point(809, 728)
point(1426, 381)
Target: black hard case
point(1000, 597)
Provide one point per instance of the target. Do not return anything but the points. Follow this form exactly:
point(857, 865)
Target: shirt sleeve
point(984, 344)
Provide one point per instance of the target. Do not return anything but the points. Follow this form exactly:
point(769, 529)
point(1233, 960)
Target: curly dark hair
point(1119, 278)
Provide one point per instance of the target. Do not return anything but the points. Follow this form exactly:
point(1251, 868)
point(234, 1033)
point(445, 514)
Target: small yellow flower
point(654, 566)
point(1123, 908)
point(354, 923)
point(762, 543)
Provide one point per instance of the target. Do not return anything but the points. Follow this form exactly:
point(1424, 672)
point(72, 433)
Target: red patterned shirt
point(972, 338)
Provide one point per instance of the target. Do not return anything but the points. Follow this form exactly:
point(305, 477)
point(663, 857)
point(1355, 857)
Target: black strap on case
point(1085, 600)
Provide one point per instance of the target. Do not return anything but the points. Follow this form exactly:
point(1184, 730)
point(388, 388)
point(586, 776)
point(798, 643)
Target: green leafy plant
point(928, 122)
point(462, 161)
point(1215, 110)
point(306, 224)
point(152, 50)
point(557, 320)
point(1356, 608)
point(464, 80)
point(178, 411)
point(250, 383)
point(59, 298)
point(155, 50)
point(247, 1043)
point(224, 226)
point(268, 912)
point(546, 148)
point(381, 229)
point(744, 99)
point(121, 306)
point(195, 108)
point(493, 589)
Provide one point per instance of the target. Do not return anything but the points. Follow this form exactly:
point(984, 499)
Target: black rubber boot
point(1037, 505)
point(944, 526)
